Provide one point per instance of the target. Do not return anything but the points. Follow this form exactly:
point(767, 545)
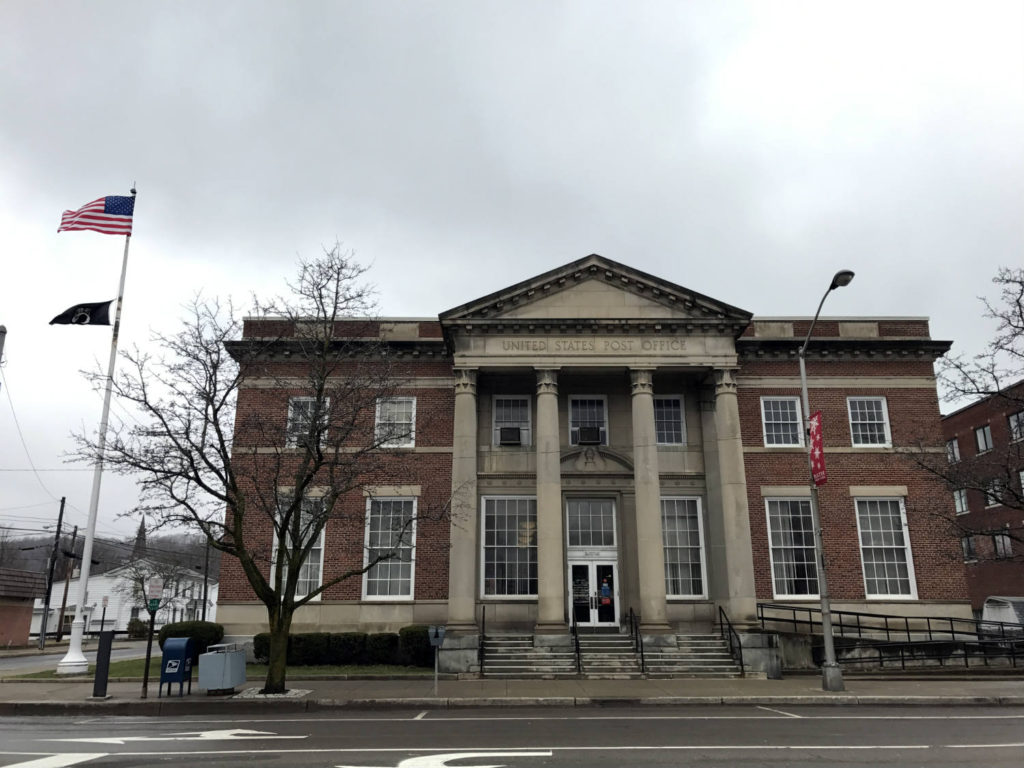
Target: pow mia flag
point(85, 314)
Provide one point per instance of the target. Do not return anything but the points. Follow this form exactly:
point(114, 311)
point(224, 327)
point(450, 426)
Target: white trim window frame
point(669, 420)
point(953, 451)
point(300, 410)
point(782, 423)
point(968, 548)
point(311, 573)
point(395, 422)
point(791, 553)
point(508, 552)
point(1002, 545)
point(993, 492)
point(502, 415)
point(884, 543)
point(869, 421)
point(960, 501)
point(683, 543)
point(983, 438)
point(401, 538)
point(590, 520)
point(583, 412)
point(1015, 424)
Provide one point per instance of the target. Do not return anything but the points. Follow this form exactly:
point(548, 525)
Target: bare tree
point(997, 374)
point(305, 379)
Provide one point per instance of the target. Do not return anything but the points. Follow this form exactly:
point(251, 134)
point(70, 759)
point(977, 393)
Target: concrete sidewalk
point(72, 697)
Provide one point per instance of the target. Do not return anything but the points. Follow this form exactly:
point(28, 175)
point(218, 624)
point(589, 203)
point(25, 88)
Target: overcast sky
point(743, 150)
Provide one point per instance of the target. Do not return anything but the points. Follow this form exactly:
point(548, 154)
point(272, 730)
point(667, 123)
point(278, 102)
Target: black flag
point(85, 314)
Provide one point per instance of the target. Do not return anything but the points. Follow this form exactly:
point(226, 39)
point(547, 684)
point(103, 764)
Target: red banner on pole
point(817, 451)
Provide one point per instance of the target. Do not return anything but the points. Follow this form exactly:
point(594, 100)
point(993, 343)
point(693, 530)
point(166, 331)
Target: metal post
point(69, 567)
point(149, 655)
point(831, 674)
point(206, 570)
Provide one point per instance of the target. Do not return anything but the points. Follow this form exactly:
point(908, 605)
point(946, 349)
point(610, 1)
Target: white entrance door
point(594, 593)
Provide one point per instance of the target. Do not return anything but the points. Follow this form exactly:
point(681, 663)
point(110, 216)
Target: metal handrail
point(638, 639)
point(728, 633)
point(983, 649)
point(480, 656)
point(574, 631)
point(862, 624)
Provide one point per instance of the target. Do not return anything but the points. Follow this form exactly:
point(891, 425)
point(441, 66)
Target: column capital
point(465, 381)
point(642, 380)
point(725, 381)
point(547, 381)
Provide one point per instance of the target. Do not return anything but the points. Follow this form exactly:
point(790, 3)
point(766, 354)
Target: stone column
point(462, 564)
point(739, 595)
point(647, 485)
point(551, 583)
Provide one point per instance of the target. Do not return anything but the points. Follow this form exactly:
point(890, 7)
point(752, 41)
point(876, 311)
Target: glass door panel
point(580, 585)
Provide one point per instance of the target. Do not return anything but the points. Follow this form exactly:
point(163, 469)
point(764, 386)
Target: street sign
point(154, 604)
point(155, 588)
point(106, 601)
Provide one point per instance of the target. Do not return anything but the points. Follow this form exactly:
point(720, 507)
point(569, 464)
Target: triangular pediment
point(596, 288)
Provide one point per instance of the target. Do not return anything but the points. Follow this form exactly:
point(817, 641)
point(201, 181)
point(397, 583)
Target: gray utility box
point(222, 668)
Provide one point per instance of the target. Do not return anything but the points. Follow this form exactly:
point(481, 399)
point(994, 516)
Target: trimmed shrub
point(203, 634)
point(309, 648)
point(382, 648)
point(261, 647)
point(348, 648)
point(414, 646)
point(138, 629)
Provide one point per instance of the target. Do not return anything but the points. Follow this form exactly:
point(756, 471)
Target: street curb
point(172, 706)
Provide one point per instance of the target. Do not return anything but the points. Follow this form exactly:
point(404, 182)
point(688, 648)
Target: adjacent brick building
point(609, 440)
point(985, 448)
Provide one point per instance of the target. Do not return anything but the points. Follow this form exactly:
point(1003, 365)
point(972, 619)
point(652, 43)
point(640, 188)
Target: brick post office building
point(612, 441)
point(985, 447)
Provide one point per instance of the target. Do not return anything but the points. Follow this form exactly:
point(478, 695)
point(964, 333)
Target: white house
point(111, 603)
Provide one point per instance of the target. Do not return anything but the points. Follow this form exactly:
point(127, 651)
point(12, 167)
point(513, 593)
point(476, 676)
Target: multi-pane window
point(791, 534)
point(983, 437)
point(953, 450)
point(967, 545)
point(391, 542)
point(1016, 425)
point(587, 421)
point(869, 421)
point(993, 492)
point(512, 414)
point(684, 560)
point(311, 513)
point(781, 418)
point(885, 548)
point(1002, 545)
point(302, 411)
point(960, 501)
point(510, 547)
point(669, 424)
point(591, 522)
point(396, 422)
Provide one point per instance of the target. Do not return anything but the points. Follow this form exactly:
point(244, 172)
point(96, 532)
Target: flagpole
point(74, 662)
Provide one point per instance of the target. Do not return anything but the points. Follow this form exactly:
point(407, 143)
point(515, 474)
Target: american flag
point(111, 215)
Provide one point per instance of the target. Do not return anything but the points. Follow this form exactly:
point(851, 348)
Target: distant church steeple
point(139, 550)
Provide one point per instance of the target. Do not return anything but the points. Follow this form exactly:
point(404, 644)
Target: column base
point(461, 628)
point(551, 628)
point(656, 628)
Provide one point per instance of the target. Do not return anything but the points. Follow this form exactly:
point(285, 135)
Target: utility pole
point(49, 572)
point(206, 570)
point(69, 567)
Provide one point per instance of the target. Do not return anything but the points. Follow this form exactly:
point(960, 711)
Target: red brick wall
point(15, 621)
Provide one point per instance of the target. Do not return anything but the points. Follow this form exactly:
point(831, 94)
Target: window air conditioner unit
point(509, 436)
point(589, 436)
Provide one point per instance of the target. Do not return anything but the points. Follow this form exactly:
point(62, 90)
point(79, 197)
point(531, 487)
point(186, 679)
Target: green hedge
point(414, 648)
point(138, 629)
point(410, 646)
point(203, 634)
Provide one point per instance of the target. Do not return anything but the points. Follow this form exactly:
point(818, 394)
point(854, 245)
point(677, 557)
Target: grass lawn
point(136, 667)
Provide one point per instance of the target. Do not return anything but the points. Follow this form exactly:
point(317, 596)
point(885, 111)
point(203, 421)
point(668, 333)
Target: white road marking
point(58, 761)
point(421, 715)
point(228, 735)
point(441, 761)
point(780, 712)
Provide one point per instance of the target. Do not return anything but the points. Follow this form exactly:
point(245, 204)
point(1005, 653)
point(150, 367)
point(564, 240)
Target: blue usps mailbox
point(176, 664)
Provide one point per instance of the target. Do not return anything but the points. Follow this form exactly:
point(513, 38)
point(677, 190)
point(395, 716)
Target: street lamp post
point(831, 675)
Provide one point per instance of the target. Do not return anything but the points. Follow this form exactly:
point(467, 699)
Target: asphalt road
point(20, 665)
point(593, 738)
